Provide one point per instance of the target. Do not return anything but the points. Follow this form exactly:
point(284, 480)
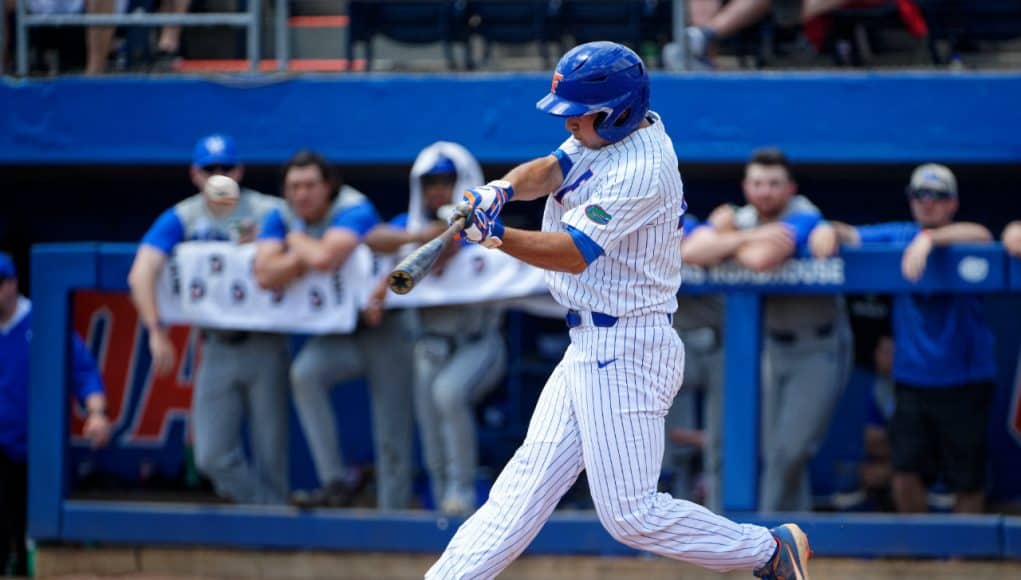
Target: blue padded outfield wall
point(836, 117)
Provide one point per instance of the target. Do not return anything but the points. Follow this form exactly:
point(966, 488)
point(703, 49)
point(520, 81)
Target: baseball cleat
point(790, 562)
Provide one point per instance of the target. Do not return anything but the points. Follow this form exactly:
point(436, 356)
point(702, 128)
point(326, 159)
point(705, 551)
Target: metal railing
point(250, 19)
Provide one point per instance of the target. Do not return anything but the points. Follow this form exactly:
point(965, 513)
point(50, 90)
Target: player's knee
point(448, 396)
point(304, 377)
point(213, 462)
point(784, 459)
point(628, 529)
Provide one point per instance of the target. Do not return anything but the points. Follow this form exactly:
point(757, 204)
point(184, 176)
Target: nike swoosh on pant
point(602, 364)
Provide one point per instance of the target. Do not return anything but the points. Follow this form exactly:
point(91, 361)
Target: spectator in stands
point(737, 15)
point(168, 47)
point(944, 364)
point(1012, 238)
point(242, 375)
point(807, 338)
point(15, 338)
point(319, 228)
point(459, 352)
point(699, 322)
point(98, 39)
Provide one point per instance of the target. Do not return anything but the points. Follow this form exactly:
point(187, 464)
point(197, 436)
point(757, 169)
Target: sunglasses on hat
point(218, 168)
point(933, 194)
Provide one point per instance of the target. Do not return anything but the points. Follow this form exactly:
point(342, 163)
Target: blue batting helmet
point(601, 77)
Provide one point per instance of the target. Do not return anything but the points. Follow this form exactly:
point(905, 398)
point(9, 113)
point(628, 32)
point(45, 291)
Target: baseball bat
point(417, 264)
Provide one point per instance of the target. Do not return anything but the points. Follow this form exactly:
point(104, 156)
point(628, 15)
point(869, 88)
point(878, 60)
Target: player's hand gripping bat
point(419, 263)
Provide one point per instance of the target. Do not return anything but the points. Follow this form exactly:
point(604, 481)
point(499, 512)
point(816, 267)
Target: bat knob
point(400, 282)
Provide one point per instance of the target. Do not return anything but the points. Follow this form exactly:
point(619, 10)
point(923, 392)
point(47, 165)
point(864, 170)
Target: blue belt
point(601, 320)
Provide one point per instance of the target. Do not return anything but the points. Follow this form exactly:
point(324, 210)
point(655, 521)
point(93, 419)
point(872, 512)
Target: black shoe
point(335, 494)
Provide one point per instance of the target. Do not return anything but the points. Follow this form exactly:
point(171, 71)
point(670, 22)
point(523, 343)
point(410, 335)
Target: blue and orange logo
point(556, 81)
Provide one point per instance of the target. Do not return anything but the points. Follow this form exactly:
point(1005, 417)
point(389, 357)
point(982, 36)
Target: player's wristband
point(496, 229)
point(505, 186)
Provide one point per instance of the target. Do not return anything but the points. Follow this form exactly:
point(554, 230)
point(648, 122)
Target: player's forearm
point(707, 247)
point(325, 254)
point(961, 232)
point(847, 234)
point(96, 404)
point(386, 239)
point(276, 271)
point(143, 294)
point(762, 256)
point(142, 282)
point(536, 178)
point(547, 250)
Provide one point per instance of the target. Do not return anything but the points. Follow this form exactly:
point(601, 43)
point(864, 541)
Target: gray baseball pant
point(244, 380)
point(801, 384)
point(451, 375)
point(382, 355)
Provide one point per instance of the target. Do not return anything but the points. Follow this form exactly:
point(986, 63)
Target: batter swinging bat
point(417, 264)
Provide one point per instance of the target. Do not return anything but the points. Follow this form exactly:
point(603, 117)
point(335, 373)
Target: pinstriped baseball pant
point(603, 410)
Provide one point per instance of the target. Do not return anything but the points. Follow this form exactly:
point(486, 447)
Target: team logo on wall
point(216, 263)
point(197, 290)
point(237, 292)
point(315, 298)
point(478, 265)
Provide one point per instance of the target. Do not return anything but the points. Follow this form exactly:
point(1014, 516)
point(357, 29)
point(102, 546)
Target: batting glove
point(490, 198)
point(479, 227)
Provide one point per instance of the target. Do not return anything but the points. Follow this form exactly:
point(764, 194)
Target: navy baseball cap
point(7, 266)
point(215, 149)
point(443, 166)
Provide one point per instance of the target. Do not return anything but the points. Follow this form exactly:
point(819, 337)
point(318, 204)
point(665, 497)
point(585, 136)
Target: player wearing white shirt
point(610, 241)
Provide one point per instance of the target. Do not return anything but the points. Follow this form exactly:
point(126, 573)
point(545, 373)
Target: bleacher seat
point(411, 22)
point(516, 22)
point(590, 20)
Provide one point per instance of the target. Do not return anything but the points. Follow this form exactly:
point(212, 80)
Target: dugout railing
point(61, 269)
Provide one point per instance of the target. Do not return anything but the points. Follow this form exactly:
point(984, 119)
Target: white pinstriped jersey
point(628, 198)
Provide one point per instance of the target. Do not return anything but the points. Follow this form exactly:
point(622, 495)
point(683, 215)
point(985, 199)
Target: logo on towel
point(598, 215)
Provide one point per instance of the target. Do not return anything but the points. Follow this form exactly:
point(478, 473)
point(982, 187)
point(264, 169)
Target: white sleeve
point(628, 199)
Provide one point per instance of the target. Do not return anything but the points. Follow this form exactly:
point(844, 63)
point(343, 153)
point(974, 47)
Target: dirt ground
point(66, 563)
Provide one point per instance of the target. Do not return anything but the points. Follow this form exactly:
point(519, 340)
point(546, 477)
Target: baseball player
point(243, 375)
point(318, 229)
point(944, 364)
point(15, 343)
point(459, 352)
point(610, 241)
point(807, 347)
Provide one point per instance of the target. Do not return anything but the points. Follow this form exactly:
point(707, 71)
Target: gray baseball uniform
point(699, 323)
point(382, 354)
point(459, 352)
point(242, 374)
point(460, 356)
point(806, 363)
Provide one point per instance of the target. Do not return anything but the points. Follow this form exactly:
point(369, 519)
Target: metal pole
point(21, 48)
point(254, 25)
point(283, 37)
point(680, 38)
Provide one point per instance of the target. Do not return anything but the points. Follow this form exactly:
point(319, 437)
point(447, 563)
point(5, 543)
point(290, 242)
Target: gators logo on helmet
point(556, 81)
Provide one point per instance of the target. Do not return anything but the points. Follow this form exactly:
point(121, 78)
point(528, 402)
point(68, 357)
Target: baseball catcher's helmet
point(600, 76)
